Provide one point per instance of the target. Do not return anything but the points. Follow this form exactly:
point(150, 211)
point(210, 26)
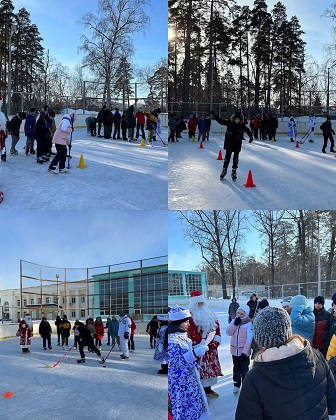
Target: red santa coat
point(209, 363)
point(26, 334)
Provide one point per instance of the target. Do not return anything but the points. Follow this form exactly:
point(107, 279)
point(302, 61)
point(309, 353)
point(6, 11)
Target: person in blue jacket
point(202, 128)
point(302, 317)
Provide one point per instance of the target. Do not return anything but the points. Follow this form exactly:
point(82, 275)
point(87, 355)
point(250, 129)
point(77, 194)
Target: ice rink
point(119, 175)
point(286, 177)
point(125, 390)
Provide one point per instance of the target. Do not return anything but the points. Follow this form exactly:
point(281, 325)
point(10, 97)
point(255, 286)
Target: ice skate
point(234, 174)
point(39, 160)
point(124, 357)
point(224, 172)
point(80, 360)
point(54, 171)
point(63, 171)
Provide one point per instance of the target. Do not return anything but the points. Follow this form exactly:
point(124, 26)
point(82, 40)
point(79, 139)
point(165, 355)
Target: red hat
point(196, 296)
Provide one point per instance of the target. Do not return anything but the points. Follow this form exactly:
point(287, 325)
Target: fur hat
point(196, 296)
point(298, 300)
point(319, 299)
point(272, 327)
point(179, 314)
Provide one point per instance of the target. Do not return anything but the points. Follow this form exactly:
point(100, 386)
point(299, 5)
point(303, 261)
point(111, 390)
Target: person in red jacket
point(99, 326)
point(323, 320)
point(140, 116)
point(192, 125)
point(131, 339)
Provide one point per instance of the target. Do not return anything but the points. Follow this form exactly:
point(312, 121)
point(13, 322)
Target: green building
point(142, 292)
point(181, 283)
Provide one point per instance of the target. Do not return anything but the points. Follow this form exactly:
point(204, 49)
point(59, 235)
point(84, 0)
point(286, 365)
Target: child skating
point(233, 141)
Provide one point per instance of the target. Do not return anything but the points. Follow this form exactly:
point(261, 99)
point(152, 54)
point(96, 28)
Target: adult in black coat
point(85, 339)
point(252, 304)
point(58, 323)
point(42, 131)
point(14, 129)
point(323, 321)
point(233, 140)
point(45, 333)
point(289, 379)
point(327, 134)
point(273, 125)
point(116, 121)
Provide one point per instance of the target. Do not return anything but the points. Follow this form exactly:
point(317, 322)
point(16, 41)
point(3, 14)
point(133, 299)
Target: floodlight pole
point(57, 293)
point(9, 85)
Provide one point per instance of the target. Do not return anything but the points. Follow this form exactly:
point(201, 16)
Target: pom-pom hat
point(196, 296)
point(272, 327)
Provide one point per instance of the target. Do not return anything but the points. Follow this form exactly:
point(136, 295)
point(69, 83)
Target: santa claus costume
point(25, 333)
point(202, 323)
point(187, 400)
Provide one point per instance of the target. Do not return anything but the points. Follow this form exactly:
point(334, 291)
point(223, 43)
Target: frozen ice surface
point(119, 175)
point(124, 390)
point(286, 177)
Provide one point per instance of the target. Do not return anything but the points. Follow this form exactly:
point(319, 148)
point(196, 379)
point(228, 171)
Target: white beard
point(29, 322)
point(204, 319)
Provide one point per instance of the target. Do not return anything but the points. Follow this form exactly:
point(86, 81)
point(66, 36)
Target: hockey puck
point(104, 366)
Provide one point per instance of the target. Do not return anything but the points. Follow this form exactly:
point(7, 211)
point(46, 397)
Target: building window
point(18, 303)
point(82, 313)
point(55, 300)
point(24, 302)
point(82, 299)
point(194, 282)
point(39, 301)
point(175, 287)
point(48, 300)
point(32, 301)
point(73, 300)
point(6, 307)
point(73, 314)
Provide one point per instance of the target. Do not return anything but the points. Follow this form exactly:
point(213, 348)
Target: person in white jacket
point(124, 333)
point(311, 128)
point(61, 140)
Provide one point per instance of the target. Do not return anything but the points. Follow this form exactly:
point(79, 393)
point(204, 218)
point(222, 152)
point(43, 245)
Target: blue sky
point(58, 25)
point(309, 13)
point(183, 256)
point(78, 239)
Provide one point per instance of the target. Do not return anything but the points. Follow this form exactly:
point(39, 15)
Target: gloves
point(237, 321)
point(243, 356)
point(200, 350)
point(251, 140)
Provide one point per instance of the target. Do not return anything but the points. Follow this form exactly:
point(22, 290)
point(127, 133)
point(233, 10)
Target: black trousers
point(60, 157)
point(45, 339)
point(90, 344)
point(240, 369)
point(227, 159)
point(116, 130)
point(138, 127)
point(325, 142)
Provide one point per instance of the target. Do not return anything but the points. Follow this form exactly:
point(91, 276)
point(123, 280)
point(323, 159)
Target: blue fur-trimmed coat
point(303, 321)
point(159, 352)
point(186, 392)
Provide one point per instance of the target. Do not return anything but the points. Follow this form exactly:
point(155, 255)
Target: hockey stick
point(72, 121)
point(54, 365)
point(304, 138)
point(109, 352)
point(164, 144)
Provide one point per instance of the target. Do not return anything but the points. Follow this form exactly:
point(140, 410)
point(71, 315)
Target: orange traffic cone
point(81, 163)
point(220, 157)
point(249, 181)
point(297, 144)
point(8, 394)
point(201, 145)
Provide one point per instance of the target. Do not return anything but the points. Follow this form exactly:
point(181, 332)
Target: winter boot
point(332, 151)
point(323, 150)
point(32, 151)
point(234, 174)
point(224, 172)
point(235, 389)
point(80, 360)
point(13, 151)
point(4, 157)
point(39, 160)
point(27, 152)
point(164, 369)
point(64, 171)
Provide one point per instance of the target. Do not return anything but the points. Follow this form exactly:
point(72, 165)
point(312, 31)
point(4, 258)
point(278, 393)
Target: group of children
point(294, 352)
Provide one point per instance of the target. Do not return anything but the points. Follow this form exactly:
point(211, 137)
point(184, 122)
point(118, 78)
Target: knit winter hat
point(262, 304)
point(298, 300)
point(272, 327)
point(285, 301)
point(246, 309)
point(319, 299)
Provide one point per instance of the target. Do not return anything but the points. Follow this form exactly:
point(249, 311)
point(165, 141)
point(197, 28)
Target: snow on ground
point(119, 175)
point(124, 390)
point(286, 177)
point(224, 407)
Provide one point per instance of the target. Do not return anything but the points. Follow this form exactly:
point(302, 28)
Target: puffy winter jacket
point(323, 320)
point(241, 335)
point(299, 387)
point(303, 321)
